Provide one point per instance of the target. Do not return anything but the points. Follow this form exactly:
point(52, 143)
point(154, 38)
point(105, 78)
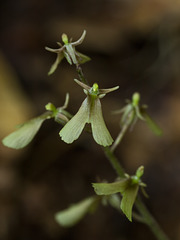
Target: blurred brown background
point(133, 44)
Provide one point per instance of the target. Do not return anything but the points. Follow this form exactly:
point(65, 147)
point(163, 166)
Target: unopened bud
point(65, 38)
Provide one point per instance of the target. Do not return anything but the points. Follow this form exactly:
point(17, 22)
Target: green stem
point(146, 216)
point(121, 134)
point(150, 221)
point(114, 162)
point(119, 137)
point(80, 74)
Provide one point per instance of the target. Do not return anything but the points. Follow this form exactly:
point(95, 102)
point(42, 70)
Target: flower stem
point(145, 214)
point(121, 134)
point(150, 220)
point(114, 162)
point(80, 73)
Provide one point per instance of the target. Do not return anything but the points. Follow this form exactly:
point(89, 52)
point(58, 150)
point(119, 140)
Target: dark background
point(133, 44)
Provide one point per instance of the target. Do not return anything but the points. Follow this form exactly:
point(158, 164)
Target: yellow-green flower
point(134, 111)
point(89, 112)
point(69, 52)
point(127, 186)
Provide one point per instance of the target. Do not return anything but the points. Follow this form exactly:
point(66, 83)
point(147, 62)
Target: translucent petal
point(71, 52)
point(83, 85)
point(67, 56)
point(111, 188)
point(152, 125)
point(99, 130)
point(72, 130)
point(25, 133)
point(82, 58)
point(59, 58)
point(129, 197)
point(80, 40)
point(73, 214)
point(108, 90)
point(57, 50)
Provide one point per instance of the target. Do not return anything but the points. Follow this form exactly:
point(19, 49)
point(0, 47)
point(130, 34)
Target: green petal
point(111, 188)
point(129, 197)
point(99, 130)
point(59, 58)
point(82, 58)
point(73, 214)
point(108, 90)
point(83, 85)
point(74, 127)
point(152, 125)
point(67, 56)
point(80, 40)
point(71, 52)
point(25, 133)
point(126, 114)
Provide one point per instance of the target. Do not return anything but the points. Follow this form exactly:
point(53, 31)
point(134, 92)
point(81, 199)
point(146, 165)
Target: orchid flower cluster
point(90, 112)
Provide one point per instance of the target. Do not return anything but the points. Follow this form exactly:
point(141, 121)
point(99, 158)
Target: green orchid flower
point(89, 112)
point(69, 52)
point(25, 132)
point(128, 187)
point(134, 111)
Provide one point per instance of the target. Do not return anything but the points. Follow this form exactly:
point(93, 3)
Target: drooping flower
point(89, 112)
point(25, 132)
point(69, 52)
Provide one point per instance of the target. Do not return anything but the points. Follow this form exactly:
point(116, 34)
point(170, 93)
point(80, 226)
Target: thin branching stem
point(122, 133)
point(119, 137)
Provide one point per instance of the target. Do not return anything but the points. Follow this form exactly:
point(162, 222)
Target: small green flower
point(69, 52)
point(25, 132)
point(59, 114)
point(128, 187)
point(134, 111)
point(89, 112)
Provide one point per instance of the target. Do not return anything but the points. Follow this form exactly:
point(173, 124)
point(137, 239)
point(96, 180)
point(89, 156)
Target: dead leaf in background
point(15, 107)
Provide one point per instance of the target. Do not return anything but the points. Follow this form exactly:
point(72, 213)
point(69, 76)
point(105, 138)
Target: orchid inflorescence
point(90, 112)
